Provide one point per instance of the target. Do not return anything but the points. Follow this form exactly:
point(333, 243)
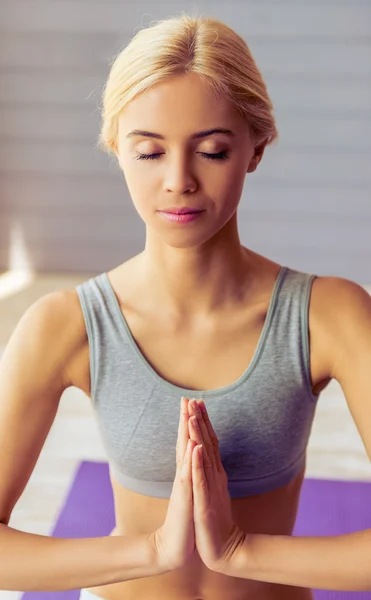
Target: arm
point(31, 562)
point(32, 379)
point(342, 312)
point(329, 563)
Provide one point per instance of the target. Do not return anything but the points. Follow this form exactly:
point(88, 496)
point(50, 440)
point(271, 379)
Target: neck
point(197, 281)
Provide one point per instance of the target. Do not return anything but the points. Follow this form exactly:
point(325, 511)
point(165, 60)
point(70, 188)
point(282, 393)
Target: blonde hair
point(187, 44)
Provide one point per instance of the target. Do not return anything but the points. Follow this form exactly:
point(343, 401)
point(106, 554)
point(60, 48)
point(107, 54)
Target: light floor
point(335, 449)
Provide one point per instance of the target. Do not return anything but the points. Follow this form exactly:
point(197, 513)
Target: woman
point(195, 315)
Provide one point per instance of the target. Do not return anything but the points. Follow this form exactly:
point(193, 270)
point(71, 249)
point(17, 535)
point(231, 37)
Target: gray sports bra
point(263, 420)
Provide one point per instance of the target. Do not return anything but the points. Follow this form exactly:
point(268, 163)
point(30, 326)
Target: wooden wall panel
point(65, 206)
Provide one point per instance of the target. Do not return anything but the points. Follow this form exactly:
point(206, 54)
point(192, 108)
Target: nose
point(179, 177)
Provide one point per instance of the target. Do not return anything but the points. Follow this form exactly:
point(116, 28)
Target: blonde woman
point(195, 315)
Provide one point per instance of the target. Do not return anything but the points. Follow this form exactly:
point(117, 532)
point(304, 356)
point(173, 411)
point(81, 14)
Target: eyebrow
point(199, 134)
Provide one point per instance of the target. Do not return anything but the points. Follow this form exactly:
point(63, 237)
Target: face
point(174, 167)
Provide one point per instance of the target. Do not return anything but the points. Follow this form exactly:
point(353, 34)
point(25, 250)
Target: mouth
point(181, 217)
point(185, 211)
point(189, 212)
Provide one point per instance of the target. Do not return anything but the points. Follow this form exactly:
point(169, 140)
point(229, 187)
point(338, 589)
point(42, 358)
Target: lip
point(181, 218)
point(182, 211)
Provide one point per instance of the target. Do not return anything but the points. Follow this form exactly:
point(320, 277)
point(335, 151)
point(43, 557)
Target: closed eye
point(217, 156)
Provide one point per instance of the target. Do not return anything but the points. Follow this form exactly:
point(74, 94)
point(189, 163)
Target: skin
point(201, 277)
point(203, 292)
point(181, 176)
point(219, 279)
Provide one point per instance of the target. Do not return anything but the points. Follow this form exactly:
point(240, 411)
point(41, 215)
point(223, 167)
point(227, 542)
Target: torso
point(212, 362)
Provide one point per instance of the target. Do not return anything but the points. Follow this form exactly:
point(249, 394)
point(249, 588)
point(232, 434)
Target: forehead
point(181, 106)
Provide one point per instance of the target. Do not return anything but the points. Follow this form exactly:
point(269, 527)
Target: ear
point(256, 158)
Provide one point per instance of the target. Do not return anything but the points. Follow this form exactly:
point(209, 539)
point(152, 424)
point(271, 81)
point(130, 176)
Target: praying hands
point(217, 536)
point(199, 516)
point(199, 513)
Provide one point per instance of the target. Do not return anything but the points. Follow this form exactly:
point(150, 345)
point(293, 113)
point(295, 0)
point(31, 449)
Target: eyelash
point(218, 156)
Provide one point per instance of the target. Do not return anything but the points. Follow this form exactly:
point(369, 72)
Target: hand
point(174, 541)
point(217, 535)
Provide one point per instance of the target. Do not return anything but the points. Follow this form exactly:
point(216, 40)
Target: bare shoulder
point(74, 340)
point(340, 314)
point(339, 301)
point(33, 375)
point(343, 308)
point(56, 321)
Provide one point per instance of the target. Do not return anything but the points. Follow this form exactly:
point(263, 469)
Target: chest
point(251, 419)
point(200, 356)
point(203, 355)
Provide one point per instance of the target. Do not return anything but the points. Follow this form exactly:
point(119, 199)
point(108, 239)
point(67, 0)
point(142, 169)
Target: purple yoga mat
point(326, 508)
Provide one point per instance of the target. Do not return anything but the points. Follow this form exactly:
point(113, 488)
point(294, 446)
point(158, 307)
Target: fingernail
point(202, 406)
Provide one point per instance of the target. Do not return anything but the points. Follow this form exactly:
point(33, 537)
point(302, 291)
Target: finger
point(198, 432)
point(182, 488)
point(201, 496)
point(214, 441)
point(208, 468)
point(203, 436)
point(208, 450)
point(183, 435)
point(186, 470)
point(194, 430)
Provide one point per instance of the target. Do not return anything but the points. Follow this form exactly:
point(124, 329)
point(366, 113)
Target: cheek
point(138, 179)
point(229, 182)
point(141, 189)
